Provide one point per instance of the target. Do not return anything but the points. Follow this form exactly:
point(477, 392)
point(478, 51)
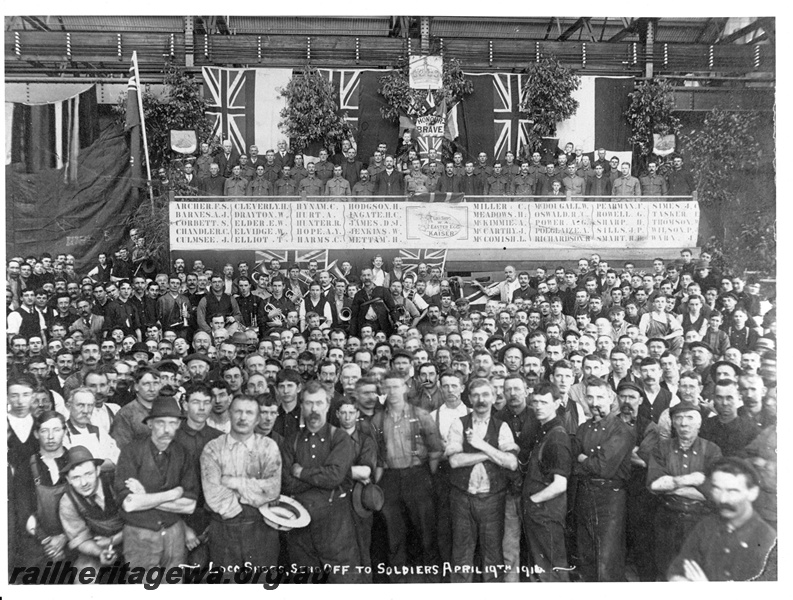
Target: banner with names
point(255, 224)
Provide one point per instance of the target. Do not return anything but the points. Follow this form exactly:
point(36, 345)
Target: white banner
point(259, 224)
point(426, 72)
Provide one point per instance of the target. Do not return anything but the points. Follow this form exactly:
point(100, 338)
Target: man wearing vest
point(89, 511)
point(480, 448)
point(409, 448)
point(217, 302)
point(545, 487)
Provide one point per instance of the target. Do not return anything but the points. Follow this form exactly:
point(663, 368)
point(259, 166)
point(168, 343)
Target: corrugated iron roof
point(357, 26)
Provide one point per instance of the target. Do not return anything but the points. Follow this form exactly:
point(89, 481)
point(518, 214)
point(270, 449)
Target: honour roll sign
point(263, 224)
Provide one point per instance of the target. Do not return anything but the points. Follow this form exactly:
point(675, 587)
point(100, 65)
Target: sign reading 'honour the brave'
point(247, 224)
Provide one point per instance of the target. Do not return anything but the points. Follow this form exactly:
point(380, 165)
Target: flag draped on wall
point(47, 128)
point(245, 105)
point(246, 108)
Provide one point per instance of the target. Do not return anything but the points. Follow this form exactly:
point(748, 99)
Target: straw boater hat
point(285, 513)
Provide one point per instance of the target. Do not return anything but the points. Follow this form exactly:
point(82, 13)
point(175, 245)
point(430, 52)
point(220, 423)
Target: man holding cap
point(89, 511)
point(676, 473)
point(156, 482)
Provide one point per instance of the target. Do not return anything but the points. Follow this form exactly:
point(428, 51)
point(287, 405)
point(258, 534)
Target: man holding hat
point(156, 482)
point(89, 511)
point(241, 472)
point(676, 473)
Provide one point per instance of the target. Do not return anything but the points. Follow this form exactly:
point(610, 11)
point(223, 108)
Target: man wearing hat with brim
point(240, 473)
point(156, 482)
point(676, 473)
point(140, 353)
point(198, 366)
point(89, 511)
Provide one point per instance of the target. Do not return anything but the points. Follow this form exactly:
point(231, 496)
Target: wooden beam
point(739, 33)
point(588, 27)
point(565, 35)
point(628, 28)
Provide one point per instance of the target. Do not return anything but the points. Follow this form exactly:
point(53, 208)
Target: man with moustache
point(481, 447)
point(676, 473)
point(240, 473)
point(603, 446)
point(735, 544)
point(156, 483)
point(317, 463)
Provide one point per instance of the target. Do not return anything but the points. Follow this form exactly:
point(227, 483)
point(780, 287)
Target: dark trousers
point(363, 534)
point(671, 529)
point(640, 526)
point(409, 503)
point(328, 541)
point(600, 514)
point(443, 512)
point(477, 518)
point(243, 541)
point(544, 525)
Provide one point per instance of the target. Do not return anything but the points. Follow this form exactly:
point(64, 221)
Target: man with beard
point(603, 447)
point(734, 545)
point(128, 424)
point(240, 473)
point(677, 474)
point(372, 305)
point(480, 448)
point(317, 463)
point(156, 483)
point(532, 368)
point(429, 395)
point(545, 487)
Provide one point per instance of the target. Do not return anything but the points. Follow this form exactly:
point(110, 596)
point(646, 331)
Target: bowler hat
point(367, 498)
point(140, 347)
point(722, 363)
point(699, 344)
point(164, 406)
point(77, 455)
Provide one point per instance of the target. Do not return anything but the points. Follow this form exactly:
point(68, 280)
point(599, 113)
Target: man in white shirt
point(81, 432)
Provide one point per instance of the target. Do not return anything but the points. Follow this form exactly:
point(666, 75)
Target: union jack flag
point(511, 128)
point(432, 258)
point(225, 93)
point(347, 84)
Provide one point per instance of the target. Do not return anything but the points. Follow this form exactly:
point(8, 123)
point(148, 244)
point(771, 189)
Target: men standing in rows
point(240, 473)
point(156, 483)
point(481, 447)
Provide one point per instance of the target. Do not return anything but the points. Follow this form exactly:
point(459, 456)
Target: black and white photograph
point(308, 299)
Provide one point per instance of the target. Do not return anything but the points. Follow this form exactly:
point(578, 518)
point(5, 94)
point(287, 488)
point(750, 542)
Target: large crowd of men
point(404, 172)
point(593, 423)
